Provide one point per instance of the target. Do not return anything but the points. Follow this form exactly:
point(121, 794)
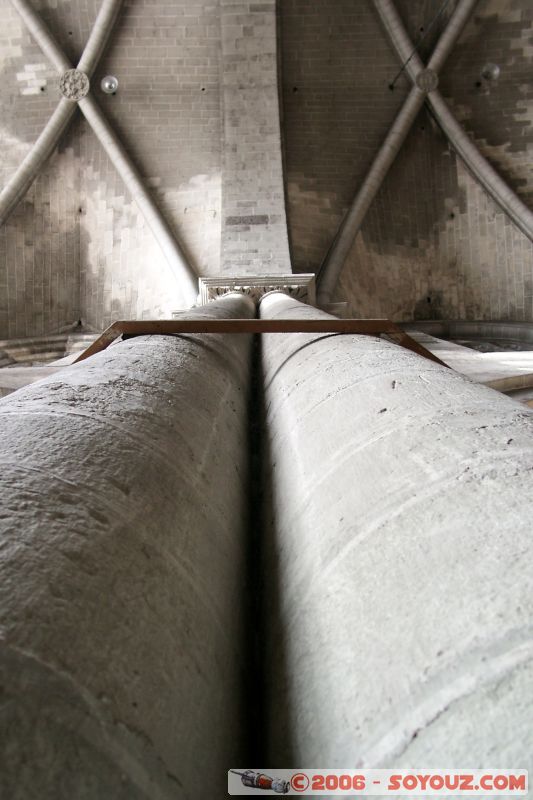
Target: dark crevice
point(254, 701)
point(268, 721)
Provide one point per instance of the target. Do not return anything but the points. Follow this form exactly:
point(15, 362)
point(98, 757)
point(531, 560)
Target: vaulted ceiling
point(196, 121)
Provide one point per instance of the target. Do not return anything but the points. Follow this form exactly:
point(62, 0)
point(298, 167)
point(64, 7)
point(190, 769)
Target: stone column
point(398, 554)
point(122, 515)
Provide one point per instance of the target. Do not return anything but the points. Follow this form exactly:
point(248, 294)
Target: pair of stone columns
point(392, 565)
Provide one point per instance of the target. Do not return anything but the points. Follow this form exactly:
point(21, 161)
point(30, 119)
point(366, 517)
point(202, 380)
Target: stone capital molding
point(74, 84)
point(301, 287)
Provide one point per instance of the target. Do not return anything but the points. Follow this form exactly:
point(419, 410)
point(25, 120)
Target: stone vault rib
point(425, 83)
point(75, 87)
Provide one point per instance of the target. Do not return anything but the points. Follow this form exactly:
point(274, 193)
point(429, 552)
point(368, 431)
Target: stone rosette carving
point(427, 80)
point(74, 84)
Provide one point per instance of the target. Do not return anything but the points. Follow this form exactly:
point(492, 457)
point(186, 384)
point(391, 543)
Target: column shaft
point(398, 553)
point(122, 515)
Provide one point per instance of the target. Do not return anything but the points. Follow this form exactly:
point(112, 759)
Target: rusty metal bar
point(404, 340)
point(174, 327)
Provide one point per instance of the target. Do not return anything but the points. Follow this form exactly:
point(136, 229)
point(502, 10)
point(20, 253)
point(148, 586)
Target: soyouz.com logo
point(374, 782)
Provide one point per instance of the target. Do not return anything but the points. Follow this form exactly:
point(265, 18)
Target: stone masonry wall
point(254, 229)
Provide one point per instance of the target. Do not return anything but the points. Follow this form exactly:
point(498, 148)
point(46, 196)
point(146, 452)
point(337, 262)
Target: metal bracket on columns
point(425, 87)
point(75, 90)
point(175, 327)
point(301, 287)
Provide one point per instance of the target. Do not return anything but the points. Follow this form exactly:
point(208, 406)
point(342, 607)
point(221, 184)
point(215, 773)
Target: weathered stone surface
point(122, 513)
point(398, 552)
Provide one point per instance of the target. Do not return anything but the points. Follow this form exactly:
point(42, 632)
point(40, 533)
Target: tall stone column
point(398, 553)
point(123, 505)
